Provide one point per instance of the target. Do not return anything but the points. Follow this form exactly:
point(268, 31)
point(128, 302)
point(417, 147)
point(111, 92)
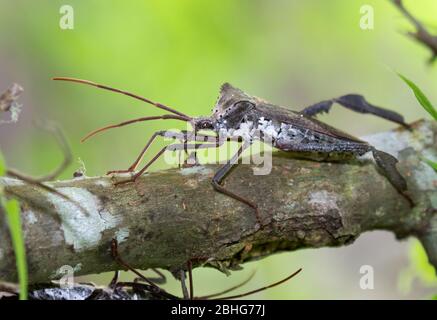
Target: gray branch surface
point(169, 217)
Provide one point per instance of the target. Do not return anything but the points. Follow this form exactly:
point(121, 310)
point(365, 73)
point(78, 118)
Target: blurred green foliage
point(12, 211)
point(291, 52)
point(419, 269)
point(13, 214)
point(426, 271)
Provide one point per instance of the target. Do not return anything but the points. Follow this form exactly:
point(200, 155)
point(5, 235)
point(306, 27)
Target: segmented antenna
point(101, 86)
point(125, 123)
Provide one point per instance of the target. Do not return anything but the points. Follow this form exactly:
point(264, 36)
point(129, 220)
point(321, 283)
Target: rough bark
point(169, 217)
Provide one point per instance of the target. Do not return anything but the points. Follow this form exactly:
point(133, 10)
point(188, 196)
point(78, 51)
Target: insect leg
point(134, 165)
point(161, 279)
point(221, 174)
point(184, 286)
point(114, 280)
point(172, 147)
point(187, 136)
point(213, 295)
point(154, 289)
point(387, 164)
point(190, 278)
point(355, 103)
point(260, 289)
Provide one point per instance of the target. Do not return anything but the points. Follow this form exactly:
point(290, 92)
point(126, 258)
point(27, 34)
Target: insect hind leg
point(387, 165)
point(221, 174)
point(357, 103)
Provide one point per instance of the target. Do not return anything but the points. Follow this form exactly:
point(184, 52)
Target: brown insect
point(238, 116)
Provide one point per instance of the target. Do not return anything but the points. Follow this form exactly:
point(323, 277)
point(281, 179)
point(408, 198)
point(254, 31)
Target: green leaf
point(12, 208)
point(420, 96)
point(2, 165)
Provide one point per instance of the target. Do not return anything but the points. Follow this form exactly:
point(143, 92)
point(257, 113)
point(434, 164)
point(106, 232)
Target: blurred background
point(290, 52)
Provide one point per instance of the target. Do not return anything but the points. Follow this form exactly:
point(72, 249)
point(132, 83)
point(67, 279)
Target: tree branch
point(421, 35)
point(169, 217)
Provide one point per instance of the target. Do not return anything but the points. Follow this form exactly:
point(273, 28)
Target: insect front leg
point(134, 165)
point(151, 287)
point(220, 175)
point(172, 147)
point(355, 103)
point(191, 159)
point(185, 136)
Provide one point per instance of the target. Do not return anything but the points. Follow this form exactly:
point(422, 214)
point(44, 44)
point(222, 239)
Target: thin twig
point(421, 34)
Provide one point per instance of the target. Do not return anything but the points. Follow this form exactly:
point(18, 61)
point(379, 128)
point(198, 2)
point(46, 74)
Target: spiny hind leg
point(357, 103)
point(387, 165)
point(221, 174)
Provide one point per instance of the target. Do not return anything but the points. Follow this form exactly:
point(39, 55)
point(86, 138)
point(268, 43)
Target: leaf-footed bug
point(238, 116)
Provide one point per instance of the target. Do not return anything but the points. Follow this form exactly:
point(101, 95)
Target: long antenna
point(125, 123)
point(102, 86)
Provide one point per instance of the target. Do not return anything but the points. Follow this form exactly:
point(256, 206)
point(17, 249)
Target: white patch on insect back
point(267, 128)
point(323, 201)
point(30, 217)
point(245, 131)
point(122, 234)
point(82, 230)
point(196, 170)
